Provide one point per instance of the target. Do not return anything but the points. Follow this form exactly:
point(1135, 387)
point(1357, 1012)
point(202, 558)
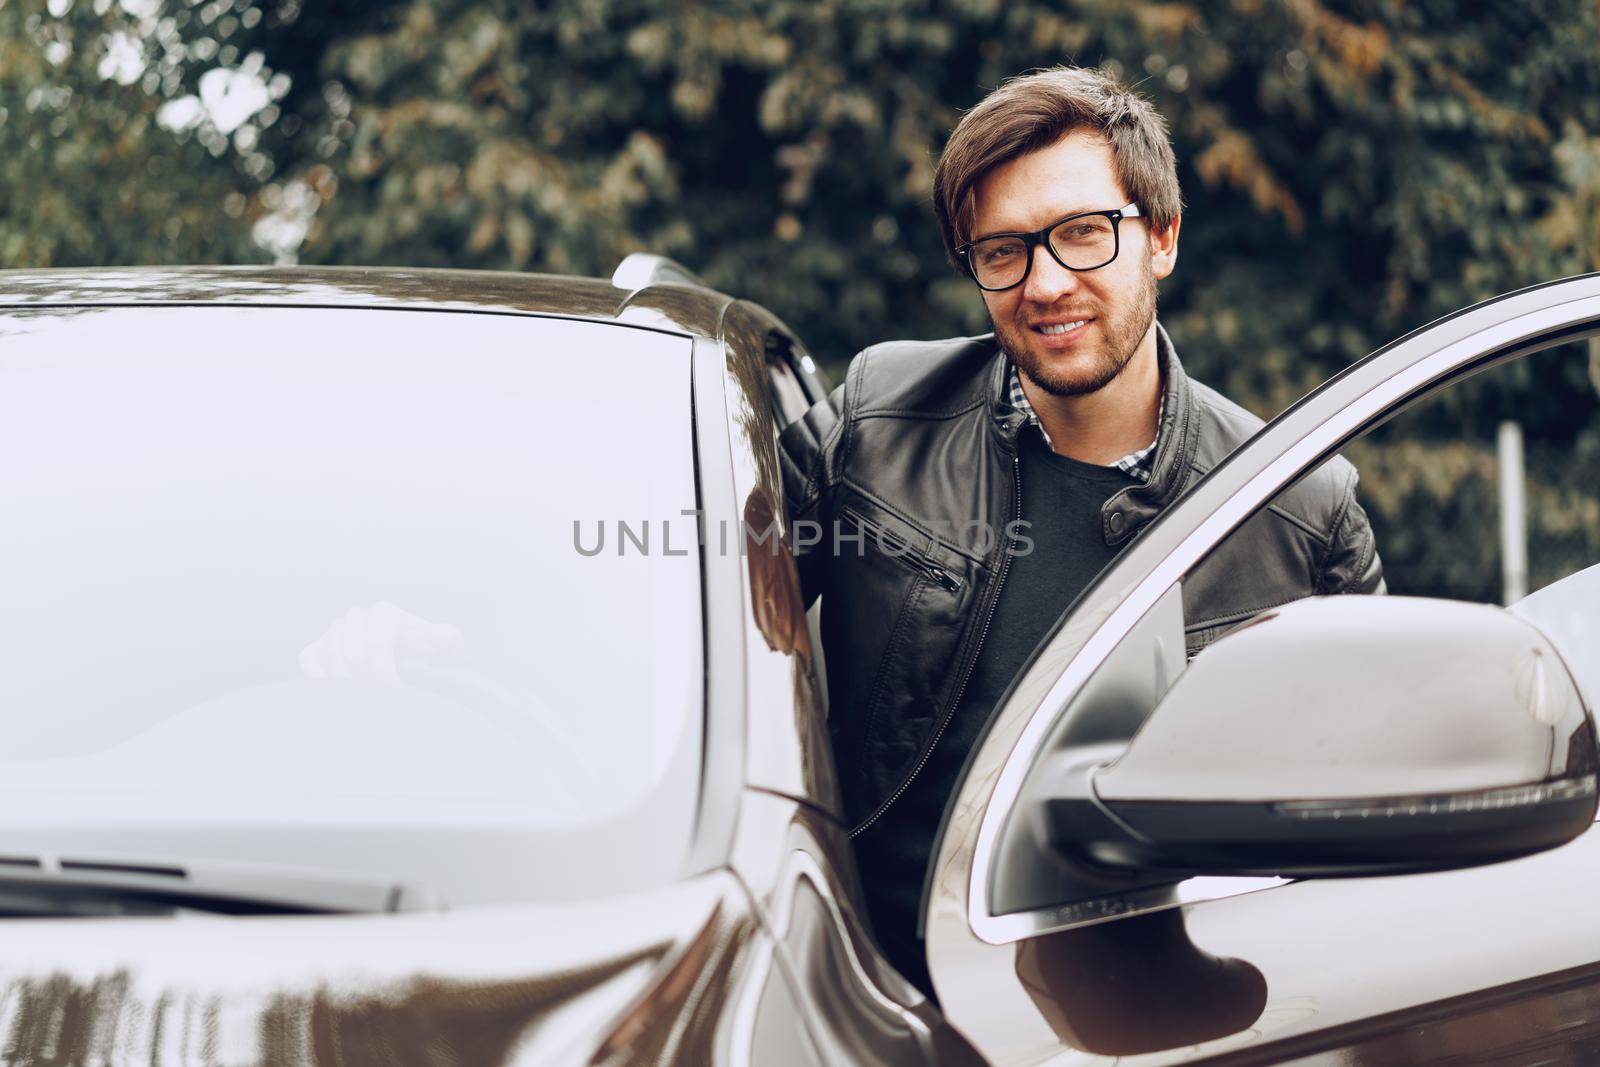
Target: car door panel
point(787, 753)
point(1348, 952)
point(1553, 1019)
point(799, 868)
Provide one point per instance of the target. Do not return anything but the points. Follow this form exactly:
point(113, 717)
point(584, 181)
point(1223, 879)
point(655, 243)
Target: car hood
point(549, 982)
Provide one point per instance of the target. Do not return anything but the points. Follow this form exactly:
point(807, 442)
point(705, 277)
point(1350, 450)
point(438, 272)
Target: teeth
point(1062, 327)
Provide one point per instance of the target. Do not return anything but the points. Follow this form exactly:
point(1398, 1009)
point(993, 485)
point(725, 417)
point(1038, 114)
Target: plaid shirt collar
point(1137, 464)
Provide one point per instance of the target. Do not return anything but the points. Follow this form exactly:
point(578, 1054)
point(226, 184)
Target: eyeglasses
point(1087, 241)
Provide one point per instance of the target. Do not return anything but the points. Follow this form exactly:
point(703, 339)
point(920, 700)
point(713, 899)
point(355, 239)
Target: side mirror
point(1340, 736)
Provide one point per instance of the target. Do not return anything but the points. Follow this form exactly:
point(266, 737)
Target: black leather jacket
point(908, 473)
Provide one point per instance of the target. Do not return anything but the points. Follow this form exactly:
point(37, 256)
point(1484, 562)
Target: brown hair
point(1032, 111)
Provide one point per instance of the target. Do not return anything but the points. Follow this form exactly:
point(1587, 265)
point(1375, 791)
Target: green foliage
point(1352, 168)
point(87, 175)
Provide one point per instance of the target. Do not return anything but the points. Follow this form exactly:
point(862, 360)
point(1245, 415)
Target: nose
point(1048, 281)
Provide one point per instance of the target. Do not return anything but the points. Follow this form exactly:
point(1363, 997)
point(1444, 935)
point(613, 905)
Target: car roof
point(687, 308)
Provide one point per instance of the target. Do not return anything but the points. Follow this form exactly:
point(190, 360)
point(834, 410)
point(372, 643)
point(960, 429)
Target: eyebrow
point(1058, 218)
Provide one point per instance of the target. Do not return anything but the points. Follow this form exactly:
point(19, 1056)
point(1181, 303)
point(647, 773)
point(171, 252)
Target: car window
point(383, 591)
point(1432, 481)
point(1440, 485)
point(789, 401)
point(797, 382)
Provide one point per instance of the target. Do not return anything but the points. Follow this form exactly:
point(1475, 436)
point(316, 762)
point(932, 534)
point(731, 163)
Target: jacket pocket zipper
point(966, 676)
point(904, 552)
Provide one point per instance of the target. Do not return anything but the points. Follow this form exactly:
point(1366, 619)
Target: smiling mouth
point(1054, 328)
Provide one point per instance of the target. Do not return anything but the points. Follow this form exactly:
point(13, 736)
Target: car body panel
point(726, 613)
point(788, 749)
point(353, 989)
point(799, 868)
point(438, 290)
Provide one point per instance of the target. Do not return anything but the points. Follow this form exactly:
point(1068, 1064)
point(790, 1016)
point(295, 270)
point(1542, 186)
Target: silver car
point(405, 667)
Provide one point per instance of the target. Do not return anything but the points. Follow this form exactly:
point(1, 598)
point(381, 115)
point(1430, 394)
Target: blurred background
point(1352, 169)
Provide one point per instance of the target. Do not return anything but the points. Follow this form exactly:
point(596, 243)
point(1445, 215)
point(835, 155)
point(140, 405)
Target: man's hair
point(1035, 110)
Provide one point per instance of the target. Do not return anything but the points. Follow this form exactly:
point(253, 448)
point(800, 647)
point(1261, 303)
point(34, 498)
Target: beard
point(1089, 371)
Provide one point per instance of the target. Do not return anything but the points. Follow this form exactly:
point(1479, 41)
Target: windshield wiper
point(52, 886)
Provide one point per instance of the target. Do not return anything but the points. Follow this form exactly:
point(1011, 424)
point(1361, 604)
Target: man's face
point(1115, 304)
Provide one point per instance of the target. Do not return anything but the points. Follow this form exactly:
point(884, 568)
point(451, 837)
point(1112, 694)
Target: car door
point(1500, 960)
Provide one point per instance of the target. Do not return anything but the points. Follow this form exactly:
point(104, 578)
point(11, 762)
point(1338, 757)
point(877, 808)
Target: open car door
point(1135, 862)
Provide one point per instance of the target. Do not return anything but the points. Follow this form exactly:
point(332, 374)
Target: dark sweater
point(1061, 502)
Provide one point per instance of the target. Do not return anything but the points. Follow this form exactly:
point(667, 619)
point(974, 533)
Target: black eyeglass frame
point(1042, 237)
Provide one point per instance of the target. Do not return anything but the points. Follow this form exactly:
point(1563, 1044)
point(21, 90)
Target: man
point(938, 571)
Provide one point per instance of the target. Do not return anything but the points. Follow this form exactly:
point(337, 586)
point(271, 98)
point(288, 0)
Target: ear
point(1164, 248)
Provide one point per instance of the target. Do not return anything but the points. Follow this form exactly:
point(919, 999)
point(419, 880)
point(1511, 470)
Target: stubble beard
point(1092, 371)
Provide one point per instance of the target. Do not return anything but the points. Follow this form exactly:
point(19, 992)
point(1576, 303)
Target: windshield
point(303, 587)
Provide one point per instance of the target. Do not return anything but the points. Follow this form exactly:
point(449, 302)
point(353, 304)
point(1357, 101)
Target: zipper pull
point(947, 580)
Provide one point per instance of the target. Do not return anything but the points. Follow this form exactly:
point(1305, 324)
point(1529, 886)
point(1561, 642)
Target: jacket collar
point(1007, 420)
point(1176, 439)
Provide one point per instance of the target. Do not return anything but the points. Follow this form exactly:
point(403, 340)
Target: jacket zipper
point(910, 557)
point(972, 664)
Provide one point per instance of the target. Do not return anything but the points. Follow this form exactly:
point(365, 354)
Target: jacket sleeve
point(807, 450)
point(1352, 564)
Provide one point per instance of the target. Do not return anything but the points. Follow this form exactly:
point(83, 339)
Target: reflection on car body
point(297, 640)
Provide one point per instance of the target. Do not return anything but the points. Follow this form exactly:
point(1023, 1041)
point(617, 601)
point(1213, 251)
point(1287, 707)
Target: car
point(407, 667)
point(307, 629)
